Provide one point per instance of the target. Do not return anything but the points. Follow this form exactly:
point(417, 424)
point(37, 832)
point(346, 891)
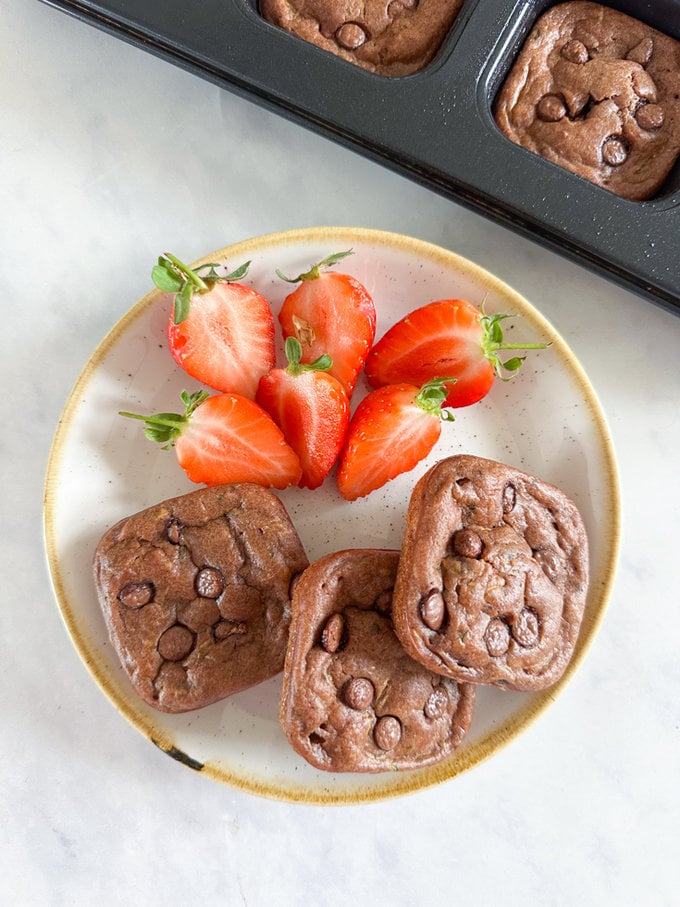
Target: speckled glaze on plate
point(547, 421)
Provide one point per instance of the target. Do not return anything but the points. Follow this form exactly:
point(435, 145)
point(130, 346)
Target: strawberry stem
point(166, 427)
point(315, 270)
point(432, 395)
point(294, 354)
point(493, 341)
point(190, 275)
point(171, 275)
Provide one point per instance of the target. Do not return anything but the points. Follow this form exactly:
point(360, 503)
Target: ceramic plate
point(546, 421)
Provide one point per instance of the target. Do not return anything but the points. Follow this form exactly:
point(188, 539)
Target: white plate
point(547, 421)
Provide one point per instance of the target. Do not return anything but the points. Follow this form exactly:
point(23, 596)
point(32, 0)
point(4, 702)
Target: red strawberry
point(448, 337)
point(330, 313)
point(220, 332)
point(393, 429)
point(225, 438)
point(311, 408)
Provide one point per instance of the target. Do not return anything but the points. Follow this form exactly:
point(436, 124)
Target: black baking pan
point(435, 126)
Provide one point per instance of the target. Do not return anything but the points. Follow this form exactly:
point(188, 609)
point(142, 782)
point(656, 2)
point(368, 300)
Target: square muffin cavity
point(597, 92)
point(388, 37)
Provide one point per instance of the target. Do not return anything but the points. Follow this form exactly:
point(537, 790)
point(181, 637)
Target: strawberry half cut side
point(311, 407)
point(446, 337)
point(224, 438)
point(393, 429)
point(220, 331)
point(330, 313)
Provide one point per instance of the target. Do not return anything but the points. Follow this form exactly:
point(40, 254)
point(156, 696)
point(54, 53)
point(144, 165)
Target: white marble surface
point(108, 155)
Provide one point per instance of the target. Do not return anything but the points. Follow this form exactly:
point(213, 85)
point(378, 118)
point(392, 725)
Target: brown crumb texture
point(493, 576)
point(353, 700)
point(195, 592)
point(597, 92)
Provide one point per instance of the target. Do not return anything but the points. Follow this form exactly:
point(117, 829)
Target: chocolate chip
point(497, 637)
point(550, 563)
point(433, 609)
point(387, 732)
point(350, 35)
point(358, 693)
point(209, 582)
point(176, 643)
point(437, 704)
point(650, 117)
point(642, 52)
point(525, 628)
point(509, 498)
point(551, 108)
point(467, 543)
point(173, 531)
point(332, 633)
point(614, 150)
point(136, 595)
point(399, 7)
point(575, 52)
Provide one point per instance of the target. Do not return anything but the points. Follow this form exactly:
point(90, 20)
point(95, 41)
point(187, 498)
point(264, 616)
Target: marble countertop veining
point(108, 155)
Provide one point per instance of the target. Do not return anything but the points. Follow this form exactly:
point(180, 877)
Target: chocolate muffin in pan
point(389, 37)
point(597, 92)
point(493, 575)
point(195, 592)
point(352, 699)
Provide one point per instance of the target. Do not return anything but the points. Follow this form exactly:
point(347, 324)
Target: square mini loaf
point(389, 37)
point(493, 575)
point(352, 699)
point(598, 93)
point(195, 593)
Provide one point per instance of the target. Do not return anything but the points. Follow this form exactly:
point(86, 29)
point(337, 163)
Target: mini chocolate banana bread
point(352, 699)
point(389, 37)
point(195, 593)
point(492, 579)
point(598, 93)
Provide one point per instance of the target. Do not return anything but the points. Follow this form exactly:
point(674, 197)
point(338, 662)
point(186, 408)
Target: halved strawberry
point(225, 438)
point(311, 407)
point(221, 332)
point(392, 430)
point(447, 337)
point(330, 313)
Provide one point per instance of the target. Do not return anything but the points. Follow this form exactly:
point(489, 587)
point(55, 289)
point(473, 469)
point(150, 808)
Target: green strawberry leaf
point(431, 397)
point(213, 277)
point(165, 277)
point(165, 428)
point(237, 274)
point(315, 270)
point(493, 341)
point(182, 303)
point(511, 365)
point(294, 354)
point(173, 276)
